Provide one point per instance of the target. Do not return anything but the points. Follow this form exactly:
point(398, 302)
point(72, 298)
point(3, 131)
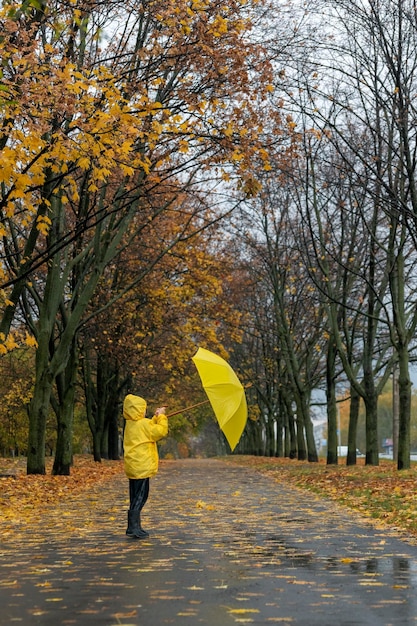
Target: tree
point(282, 305)
point(379, 40)
point(353, 92)
point(156, 103)
point(143, 340)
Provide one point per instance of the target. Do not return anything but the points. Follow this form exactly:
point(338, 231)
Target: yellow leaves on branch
point(15, 340)
point(43, 222)
point(30, 341)
point(218, 18)
point(7, 343)
point(219, 26)
point(100, 140)
point(72, 121)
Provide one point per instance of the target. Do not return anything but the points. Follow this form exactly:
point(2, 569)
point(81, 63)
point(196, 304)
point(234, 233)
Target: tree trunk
point(112, 418)
point(281, 429)
point(301, 443)
point(371, 406)
point(288, 452)
point(270, 435)
point(39, 406)
point(249, 441)
point(404, 387)
point(305, 432)
point(114, 436)
point(291, 439)
point(38, 414)
point(104, 441)
point(353, 426)
point(98, 432)
point(395, 412)
point(97, 446)
point(311, 443)
point(65, 415)
point(397, 283)
point(258, 437)
point(63, 454)
point(331, 404)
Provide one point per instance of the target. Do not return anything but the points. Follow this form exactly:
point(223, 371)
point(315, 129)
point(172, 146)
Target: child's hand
point(160, 410)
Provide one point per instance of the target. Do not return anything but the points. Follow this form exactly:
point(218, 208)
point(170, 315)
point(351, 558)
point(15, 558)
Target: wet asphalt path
point(227, 546)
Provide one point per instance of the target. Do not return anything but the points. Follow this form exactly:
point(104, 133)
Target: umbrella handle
point(188, 408)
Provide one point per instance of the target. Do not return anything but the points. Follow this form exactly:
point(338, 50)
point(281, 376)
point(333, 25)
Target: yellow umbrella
point(225, 393)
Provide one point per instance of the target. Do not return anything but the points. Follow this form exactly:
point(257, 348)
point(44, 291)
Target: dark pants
point(138, 492)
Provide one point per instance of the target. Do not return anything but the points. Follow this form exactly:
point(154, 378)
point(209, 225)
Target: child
point(140, 456)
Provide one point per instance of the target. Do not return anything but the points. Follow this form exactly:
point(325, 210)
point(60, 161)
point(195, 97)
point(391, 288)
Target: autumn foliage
point(81, 109)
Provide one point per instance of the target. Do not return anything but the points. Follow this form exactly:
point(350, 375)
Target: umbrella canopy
point(225, 393)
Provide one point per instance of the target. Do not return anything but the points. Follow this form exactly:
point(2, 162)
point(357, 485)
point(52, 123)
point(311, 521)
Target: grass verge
point(383, 493)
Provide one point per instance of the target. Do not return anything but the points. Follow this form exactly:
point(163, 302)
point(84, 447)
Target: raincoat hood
point(134, 408)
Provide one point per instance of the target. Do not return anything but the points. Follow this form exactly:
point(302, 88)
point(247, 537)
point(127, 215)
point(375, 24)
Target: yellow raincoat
point(140, 437)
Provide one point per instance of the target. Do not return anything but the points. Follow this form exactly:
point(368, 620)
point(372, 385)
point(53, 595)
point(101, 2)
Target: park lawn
point(383, 493)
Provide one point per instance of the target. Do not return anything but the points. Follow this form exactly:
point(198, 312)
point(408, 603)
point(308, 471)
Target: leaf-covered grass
point(20, 493)
point(383, 493)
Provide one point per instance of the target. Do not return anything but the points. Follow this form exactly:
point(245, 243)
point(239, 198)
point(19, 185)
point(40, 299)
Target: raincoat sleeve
point(158, 427)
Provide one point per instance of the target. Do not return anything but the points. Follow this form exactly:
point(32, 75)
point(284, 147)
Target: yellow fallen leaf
point(189, 613)
point(8, 583)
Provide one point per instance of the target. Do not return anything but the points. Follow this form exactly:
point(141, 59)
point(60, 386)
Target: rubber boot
point(133, 526)
point(146, 534)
